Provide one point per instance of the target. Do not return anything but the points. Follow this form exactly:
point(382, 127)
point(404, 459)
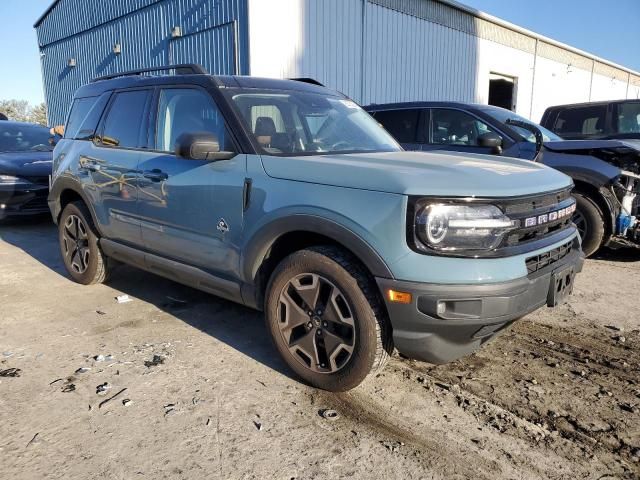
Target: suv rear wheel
point(590, 223)
point(326, 319)
point(79, 246)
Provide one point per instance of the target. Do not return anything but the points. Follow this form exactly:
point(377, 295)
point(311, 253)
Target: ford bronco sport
point(287, 197)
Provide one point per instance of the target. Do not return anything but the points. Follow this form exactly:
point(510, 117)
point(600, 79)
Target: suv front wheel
point(83, 258)
point(326, 319)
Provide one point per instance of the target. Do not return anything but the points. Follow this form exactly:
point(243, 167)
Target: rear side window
point(79, 111)
point(401, 124)
point(581, 121)
point(84, 117)
point(124, 125)
point(628, 117)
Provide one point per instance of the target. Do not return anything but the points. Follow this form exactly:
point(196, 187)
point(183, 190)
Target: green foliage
point(21, 111)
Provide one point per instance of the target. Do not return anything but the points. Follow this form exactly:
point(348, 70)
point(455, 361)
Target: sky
point(608, 29)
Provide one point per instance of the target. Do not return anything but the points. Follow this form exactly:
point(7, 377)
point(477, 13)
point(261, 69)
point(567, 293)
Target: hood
point(572, 145)
point(622, 154)
point(421, 173)
point(26, 164)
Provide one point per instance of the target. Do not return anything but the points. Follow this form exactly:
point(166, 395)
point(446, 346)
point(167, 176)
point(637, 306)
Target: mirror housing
point(200, 146)
point(491, 140)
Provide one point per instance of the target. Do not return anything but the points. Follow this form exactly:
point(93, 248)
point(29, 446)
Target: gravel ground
point(179, 384)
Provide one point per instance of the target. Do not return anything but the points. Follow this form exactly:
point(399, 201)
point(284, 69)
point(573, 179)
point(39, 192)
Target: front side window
point(285, 122)
point(125, 124)
point(581, 121)
point(402, 124)
point(629, 117)
point(454, 127)
point(20, 137)
point(186, 110)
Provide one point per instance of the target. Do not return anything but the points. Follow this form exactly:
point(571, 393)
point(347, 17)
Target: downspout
point(626, 95)
point(533, 79)
point(593, 66)
point(362, 54)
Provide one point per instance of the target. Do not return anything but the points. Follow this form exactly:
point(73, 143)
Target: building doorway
point(502, 91)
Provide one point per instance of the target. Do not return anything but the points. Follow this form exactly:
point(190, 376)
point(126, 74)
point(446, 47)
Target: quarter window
point(453, 127)
point(186, 110)
point(125, 124)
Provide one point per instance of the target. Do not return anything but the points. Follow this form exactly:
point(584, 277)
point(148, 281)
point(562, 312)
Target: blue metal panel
point(214, 34)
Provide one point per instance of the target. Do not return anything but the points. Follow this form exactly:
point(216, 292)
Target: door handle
point(155, 175)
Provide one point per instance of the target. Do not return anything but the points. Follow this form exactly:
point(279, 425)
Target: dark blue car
point(25, 166)
point(606, 173)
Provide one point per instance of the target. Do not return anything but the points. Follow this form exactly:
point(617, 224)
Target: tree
point(39, 114)
point(21, 111)
point(17, 110)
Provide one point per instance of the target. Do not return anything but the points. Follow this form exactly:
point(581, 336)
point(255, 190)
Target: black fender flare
point(62, 184)
point(262, 241)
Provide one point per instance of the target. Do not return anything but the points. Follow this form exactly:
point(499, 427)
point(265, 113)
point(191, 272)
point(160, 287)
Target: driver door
point(182, 201)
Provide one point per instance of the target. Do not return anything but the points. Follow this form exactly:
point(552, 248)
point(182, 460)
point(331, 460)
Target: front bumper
point(23, 200)
point(445, 322)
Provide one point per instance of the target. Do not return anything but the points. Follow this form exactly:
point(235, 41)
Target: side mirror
point(491, 140)
point(201, 146)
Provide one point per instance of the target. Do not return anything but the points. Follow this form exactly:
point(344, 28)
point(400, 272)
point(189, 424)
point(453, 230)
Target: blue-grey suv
point(287, 197)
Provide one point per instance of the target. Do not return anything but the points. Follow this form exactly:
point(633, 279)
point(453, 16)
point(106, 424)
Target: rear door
point(456, 130)
point(191, 210)
point(112, 162)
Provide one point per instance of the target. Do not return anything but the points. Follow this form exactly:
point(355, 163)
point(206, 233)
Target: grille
point(548, 258)
point(541, 209)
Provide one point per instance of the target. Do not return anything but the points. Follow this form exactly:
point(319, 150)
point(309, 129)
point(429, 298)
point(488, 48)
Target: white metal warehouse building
point(375, 51)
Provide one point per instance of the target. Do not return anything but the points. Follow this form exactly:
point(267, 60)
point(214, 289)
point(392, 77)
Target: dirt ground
point(195, 390)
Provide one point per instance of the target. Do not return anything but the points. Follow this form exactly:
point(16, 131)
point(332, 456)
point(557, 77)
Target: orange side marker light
point(399, 297)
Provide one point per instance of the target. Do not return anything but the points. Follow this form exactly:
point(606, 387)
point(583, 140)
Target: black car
point(618, 119)
point(606, 173)
point(25, 166)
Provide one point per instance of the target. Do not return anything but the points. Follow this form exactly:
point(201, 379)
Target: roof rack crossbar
point(180, 69)
point(311, 81)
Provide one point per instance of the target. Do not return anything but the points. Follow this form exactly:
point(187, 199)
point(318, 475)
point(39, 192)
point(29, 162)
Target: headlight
point(461, 227)
point(11, 180)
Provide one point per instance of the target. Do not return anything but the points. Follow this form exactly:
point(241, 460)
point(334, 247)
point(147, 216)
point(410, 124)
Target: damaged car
point(606, 173)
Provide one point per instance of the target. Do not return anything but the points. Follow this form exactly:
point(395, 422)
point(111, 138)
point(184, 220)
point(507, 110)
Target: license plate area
point(561, 286)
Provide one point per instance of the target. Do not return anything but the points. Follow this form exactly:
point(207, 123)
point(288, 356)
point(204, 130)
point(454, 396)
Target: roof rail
point(312, 81)
point(180, 69)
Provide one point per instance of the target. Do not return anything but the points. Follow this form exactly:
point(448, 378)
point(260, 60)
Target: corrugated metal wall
point(87, 30)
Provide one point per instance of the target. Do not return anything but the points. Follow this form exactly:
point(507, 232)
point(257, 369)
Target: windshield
point(503, 115)
point(20, 137)
point(301, 123)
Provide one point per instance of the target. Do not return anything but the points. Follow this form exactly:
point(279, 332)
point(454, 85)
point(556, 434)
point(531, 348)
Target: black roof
point(402, 105)
point(99, 86)
point(589, 104)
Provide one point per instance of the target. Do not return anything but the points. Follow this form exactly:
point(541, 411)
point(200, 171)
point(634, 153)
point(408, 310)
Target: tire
point(83, 259)
point(347, 307)
point(590, 222)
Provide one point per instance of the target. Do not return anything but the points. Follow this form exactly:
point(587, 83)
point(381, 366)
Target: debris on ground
point(329, 414)
point(154, 362)
point(104, 402)
point(174, 303)
point(393, 447)
point(7, 354)
point(82, 370)
point(123, 299)
point(69, 388)
point(103, 388)
point(100, 312)
point(258, 425)
point(103, 358)
point(126, 402)
point(33, 440)
point(10, 372)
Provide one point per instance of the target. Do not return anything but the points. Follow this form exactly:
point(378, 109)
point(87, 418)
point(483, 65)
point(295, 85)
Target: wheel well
point(287, 244)
point(68, 196)
point(594, 194)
